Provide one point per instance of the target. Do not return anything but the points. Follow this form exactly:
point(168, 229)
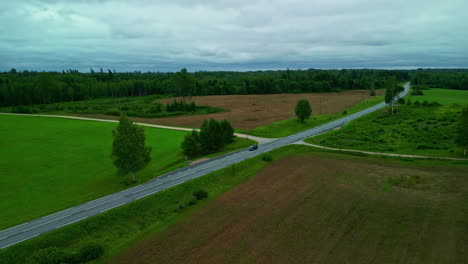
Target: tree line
point(30, 88)
point(445, 79)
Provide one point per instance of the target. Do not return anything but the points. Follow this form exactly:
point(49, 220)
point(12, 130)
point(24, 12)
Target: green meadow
point(428, 130)
point(50, 164)
point(443, 96)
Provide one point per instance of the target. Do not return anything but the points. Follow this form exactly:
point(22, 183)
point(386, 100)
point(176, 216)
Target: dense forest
point(30, 88)
point(445, 79)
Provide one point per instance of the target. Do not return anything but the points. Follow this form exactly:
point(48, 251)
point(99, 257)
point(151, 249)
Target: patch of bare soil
point(250, 111)
point(319, 210)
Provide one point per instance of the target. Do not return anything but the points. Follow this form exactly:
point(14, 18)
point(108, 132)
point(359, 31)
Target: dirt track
point(309, 209)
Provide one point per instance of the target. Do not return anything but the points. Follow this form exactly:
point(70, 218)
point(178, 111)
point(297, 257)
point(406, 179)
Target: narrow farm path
point(260, 140)
point(377, 153)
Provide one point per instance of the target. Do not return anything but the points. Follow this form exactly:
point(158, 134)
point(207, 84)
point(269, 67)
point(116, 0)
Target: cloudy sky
point(232, 35)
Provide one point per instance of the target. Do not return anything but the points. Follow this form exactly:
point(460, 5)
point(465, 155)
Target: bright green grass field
point(443, 96)
point(50, 164)
point(291, 126)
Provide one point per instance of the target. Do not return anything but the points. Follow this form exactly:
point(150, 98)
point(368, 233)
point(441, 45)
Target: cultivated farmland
point(250, 111)
point(324, 208)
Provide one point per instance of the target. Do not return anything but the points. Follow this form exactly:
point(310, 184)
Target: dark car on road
point(253, 147)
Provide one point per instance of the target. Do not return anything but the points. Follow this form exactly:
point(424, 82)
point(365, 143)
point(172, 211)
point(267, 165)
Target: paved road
point(48, 223)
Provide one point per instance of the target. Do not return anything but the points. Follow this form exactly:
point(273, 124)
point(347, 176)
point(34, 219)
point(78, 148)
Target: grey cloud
point(204, 34)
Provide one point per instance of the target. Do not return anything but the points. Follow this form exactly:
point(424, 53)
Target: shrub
point(156, 108)
point(345, 112)
point(200, 194)
point(51, 255)
point(192, 202)
point(401, 101)
point(267, 158)
point(136, 108)
point(21, 109)
point(417, 92)
point(89, 252)
point(181, 106)
point(113, 112)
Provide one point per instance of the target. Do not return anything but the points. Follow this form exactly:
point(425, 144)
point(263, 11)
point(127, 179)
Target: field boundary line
point(301, 142)
point(260, 140)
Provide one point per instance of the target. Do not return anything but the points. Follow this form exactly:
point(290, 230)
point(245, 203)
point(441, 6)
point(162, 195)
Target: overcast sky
point(232, 35)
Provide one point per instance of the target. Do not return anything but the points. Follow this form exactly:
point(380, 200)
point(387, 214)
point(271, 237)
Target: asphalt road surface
point(51, 222)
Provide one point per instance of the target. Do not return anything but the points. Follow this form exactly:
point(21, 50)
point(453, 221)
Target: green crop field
point(443, 96)
point(416, 129)
point(349, 203)
point(291, 126)
point(49, 164)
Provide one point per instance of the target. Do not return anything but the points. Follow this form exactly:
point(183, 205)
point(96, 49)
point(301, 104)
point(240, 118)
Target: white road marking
point(16, 242)
point(111, 207)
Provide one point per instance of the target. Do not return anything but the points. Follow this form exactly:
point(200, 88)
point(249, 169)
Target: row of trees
point(181, 106)
point(27, 88)
point(212, 137)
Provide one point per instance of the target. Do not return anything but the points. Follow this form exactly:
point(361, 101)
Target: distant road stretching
point(51, 222)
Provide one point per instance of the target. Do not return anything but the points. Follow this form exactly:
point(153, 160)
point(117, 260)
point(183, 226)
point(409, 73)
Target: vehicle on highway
point(253, 147)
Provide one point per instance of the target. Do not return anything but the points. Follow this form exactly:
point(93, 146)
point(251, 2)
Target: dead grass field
point(320, 209)
point(250, 111)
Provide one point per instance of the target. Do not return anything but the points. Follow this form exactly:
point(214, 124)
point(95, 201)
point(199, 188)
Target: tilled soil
point(250, 111)
point(306, 209)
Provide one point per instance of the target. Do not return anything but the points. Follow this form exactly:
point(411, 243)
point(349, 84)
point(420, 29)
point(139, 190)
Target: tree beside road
point(212, 137)
point(129, 152)
point(392, 91)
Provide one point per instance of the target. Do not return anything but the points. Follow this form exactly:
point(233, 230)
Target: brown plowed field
point(313, 209)
point(250, 111)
